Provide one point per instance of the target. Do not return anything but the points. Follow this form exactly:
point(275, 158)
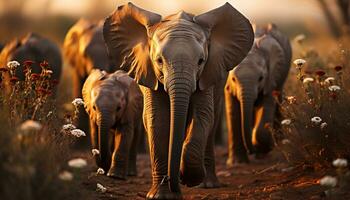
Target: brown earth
point(270, 178)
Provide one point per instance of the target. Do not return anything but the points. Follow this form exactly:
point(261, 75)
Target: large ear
point(126, 34)
point(276, 62)
point(230, 39)
point(94, 76)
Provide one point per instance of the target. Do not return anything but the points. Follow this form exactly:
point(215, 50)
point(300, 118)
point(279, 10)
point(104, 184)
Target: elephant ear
point(276, 62)
point(230, 39)
point(126, 34)
point(94, 76)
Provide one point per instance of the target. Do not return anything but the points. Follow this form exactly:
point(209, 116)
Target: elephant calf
point(248, 93)
point(114, 103)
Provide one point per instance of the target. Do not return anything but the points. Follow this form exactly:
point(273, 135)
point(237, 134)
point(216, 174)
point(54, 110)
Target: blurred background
point(54, 17)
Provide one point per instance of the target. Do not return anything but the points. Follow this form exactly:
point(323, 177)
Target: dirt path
point(264, 179)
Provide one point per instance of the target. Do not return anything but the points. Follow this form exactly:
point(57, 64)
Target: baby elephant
point(114, 103)
point(250, 104)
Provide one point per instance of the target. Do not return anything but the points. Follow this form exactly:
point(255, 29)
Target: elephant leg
point(262, 139)
point(156, 116)
point(142, 144)
point(94, 141)
point(194, 161)
point(237, 152)
point(132, 168)
point(120, 157)
point(219, 103)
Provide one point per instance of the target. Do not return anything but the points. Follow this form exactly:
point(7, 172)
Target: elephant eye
point(94, 107)
point(160, 60)
point(200, 61)
point(233, 79)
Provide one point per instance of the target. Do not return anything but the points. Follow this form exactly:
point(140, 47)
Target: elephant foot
point(237, 160)
point(113, 172)
point(162, 191)
point(132, 171)
point(211, 181)
point(192, 177)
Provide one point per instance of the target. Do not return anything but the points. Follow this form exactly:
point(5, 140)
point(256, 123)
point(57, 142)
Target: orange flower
point(28, 63)
point(35, 76)
point(44, 64)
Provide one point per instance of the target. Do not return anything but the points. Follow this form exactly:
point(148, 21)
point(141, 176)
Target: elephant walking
point(114, 103)
point(36, 48)
point(177, 61)
point(248, 94)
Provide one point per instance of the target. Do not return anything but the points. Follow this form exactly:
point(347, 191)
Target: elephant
point(250, 103)
point(114, 104)
point(177, 61)
point(85, 50)
point(32, 47)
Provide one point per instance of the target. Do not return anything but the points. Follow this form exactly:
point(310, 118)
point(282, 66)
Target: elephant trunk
point(179, 90)
point(105, 124)
point(247, 117)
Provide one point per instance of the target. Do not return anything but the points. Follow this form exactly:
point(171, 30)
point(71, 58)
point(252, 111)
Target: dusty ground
point(270, 178)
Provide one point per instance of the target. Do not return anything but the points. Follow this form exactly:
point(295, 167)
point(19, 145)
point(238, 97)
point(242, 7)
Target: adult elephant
point(85, 50)
point(249, 100)
point(36, 48)
point(177, 61)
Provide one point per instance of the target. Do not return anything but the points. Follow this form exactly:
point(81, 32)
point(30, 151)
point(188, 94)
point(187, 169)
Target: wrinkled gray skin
point(35, 48)
point(85, 50)
point(248, 92)
point(178, 60)
point(114, 103)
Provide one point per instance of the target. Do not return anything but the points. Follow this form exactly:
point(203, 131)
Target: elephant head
point(106, 96)
point(179, 54)
point(256, 77)
point(84, 47)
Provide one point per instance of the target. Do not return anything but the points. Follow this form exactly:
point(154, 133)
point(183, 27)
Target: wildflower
point(12, 65)
point(329, 80)
point(100, 171)
point(316, 120)
point(28, 63)
point(95, 152)
point(30, 125)
point(68, 127)
point(299, 63)
point(291, 99)
point(44, 64)
point(285, 141)
point(286, 122)
point(14, 79)
point(328, 181)
point(334, 88)
point(42, 90)
point(323, 125)
point(4, 69)
point(49, 114)
point(77, 133)
point(34, 76)
point(338, 68)
point(77, 163)
point(48, 72)
point(340, 163)
point(65, 176)
point(320, 73)
point(299, 38)
point(101, 188)
point(308, 80)
point(78, 102)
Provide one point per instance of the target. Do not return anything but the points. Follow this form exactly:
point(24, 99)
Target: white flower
point(291, 99)
point(308, 80)
point(65, 176)
point(100, 171)
point(285, 141)
point(300, 38)
point(328, 181)
point(77, 133)
point(12, 65)
point(68, 127)
point(95, 152)
point(78, 102)
point(286, 121)
point(299, 62)
point(334, 88)
point(340, 162)
point(316, 120)
point(77, 163)
point(101, 188)
point(323, 125)
point(30, 125)
point(48, 71)
point(329, 80)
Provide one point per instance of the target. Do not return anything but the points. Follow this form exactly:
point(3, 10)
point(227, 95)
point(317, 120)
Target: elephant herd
point(170, 77)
